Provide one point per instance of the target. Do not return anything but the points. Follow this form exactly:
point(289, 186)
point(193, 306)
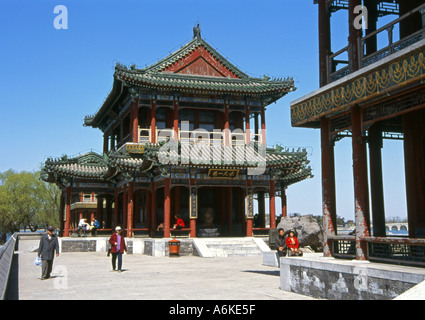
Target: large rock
point(308, 230)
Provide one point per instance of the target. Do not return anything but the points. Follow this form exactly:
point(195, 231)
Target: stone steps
point(225, 247)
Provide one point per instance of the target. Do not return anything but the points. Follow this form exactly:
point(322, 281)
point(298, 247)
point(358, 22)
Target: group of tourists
point(287, 244)
point(84, 226)
point(49, 248)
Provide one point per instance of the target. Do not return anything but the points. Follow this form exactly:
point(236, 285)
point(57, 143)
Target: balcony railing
point(214, 138)
point(341, 57)
point(403, 251)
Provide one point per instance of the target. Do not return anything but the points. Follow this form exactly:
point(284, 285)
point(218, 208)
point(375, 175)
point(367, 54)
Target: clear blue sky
point(50, 79)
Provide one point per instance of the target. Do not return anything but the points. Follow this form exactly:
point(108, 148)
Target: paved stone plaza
point(89, 276)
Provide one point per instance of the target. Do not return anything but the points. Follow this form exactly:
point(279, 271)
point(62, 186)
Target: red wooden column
point(153, 120)
point(98, 206)
point(61, 213)
point(272, 205)
point(148, 210)
point(177, 200)
point(328, 186)
point(130, 209)
point(230, 210)
point(284, 202)
point(413, 159)
point(247, 125)
point(107, 219)
point(226, 126)
point(125, 207)
point(354, 36)
point(176, 120)
point(376, 180)
point(105, 143)
point(324, 41)
point(67, 211)
point(193, 207)
point(262, 207)
point(256, 126)
point(154, 223)
point(167, 206)
point(135, 120)
point(361, 192)
point(263, 125)
point(116, 207)
point(249, 207)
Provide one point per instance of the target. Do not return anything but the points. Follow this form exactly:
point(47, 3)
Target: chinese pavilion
point(371, 90)
point(185, 136)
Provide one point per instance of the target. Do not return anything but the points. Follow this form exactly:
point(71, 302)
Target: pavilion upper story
point(195, 86)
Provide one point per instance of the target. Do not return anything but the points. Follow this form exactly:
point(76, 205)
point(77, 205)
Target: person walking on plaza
point(118, 247)
point(46, 251)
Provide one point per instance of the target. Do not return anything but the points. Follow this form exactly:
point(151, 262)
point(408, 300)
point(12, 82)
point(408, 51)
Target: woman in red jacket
point(293, 244)
point(118, 246)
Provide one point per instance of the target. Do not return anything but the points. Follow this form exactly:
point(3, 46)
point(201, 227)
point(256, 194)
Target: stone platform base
point(336, 279)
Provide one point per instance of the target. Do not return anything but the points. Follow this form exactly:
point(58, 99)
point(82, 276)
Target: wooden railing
point(214, 138)
point(365, 60)
point(403, 251)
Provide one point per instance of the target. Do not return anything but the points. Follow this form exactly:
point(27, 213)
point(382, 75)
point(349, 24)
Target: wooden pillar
point(414, 159)
point(247, 125)
point(376, 181)
point(153, 120)
point(372, 42)
point(67, 211)
point(226, 126)
point(263, 125)
point(262, 207)
point(62, 213)
point(107, 219)
point(256, 126)
point(361, 192)
point(328, 186)
point(124, 207)
point(230, 210)
point(249, 209)
point(167, 206)
point(105, 143)
point(284, 202)
point(116, 207)
point(154, 223)
point(324, 41)
point(176, 120)
point(135, 120)
point(99, 206)
point(148, 211)
point(130, 209)
point(354, 36)
point(272, 205)
point(193, 208)
point(177, 192)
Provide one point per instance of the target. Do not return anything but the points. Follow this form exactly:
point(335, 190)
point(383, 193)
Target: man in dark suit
point(48, 245)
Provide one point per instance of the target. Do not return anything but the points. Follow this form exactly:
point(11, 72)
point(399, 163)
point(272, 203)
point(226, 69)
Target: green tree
point(26, 201)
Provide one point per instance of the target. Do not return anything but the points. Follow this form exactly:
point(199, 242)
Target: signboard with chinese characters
point(223, 173)
point(249, 203)
point(193, 212)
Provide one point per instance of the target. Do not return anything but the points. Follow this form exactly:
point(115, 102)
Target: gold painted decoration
point(344, 95)
point(223, 173)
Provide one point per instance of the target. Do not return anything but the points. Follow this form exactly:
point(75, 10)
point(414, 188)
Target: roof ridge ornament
point(196, 32)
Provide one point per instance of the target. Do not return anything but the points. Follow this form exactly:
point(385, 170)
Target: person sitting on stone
point(293, 245)
point(281, 243)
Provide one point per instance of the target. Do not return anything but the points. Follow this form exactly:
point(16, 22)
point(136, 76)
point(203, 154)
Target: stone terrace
point(88, 275)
